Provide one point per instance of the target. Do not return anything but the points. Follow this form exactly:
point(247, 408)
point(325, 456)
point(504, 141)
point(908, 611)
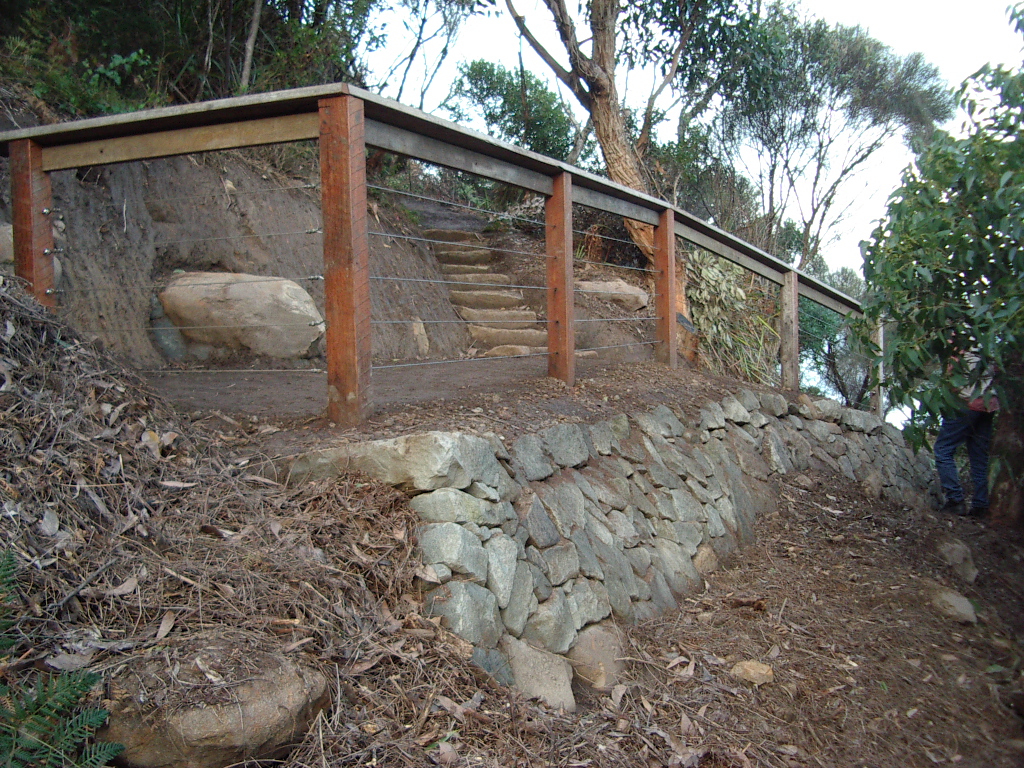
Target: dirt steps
point(496, 316)
point(513, 319)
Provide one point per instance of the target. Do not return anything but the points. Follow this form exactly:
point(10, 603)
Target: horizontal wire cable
point(314, 231)
point(617, 293)
point(604, 237)
point(617, 266)
point(618, 319)
point(449, 242)
point(618, 346)
point(263, 279)
point(454, 205)
point(225, 193)
point(456, 282)
point(233, 370)
point(196, 327)
point(466, 322)
point(464, 360)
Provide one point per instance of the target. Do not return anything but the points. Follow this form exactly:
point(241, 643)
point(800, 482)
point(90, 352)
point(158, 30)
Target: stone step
point(453, 236)
point(464, 256)
point(486, 299)
point(465, 269)
point(487, 278)
point(514, 319)
point(496, 337)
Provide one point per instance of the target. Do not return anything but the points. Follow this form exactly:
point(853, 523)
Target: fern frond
point(99, 754)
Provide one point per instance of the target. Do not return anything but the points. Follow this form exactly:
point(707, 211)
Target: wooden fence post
point(665, 287)
point(561, 331)
point(33, 235)
point(790, 330)
point(346, 258)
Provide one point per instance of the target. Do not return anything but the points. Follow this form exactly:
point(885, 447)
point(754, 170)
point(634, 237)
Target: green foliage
point(516, 106)
point(734, 319)
point(817, 102)
point(45, 727)
point(87, 57)
point(946, 264)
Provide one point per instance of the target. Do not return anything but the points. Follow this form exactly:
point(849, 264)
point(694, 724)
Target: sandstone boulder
point(423, 462)
point(619, 291)
point(269, 316)
point(268, 714)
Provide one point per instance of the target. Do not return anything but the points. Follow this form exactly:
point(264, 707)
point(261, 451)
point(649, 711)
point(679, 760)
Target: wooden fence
point(346, 120)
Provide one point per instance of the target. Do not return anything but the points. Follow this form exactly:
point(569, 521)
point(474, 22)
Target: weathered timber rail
point(345, 120)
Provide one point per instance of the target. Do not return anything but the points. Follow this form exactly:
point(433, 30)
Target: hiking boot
point(955, 508)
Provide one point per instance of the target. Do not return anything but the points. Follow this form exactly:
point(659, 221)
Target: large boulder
point(269, 316)
point(619, 291)
point(263, 717)
point(423, 462)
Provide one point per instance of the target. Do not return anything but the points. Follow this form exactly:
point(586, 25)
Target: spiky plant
point(45, 726)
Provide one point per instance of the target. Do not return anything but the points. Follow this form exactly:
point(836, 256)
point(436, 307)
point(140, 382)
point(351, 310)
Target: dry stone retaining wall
point(530, 545)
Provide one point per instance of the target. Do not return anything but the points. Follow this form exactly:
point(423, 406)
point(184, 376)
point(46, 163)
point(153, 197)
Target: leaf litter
point(145, 542)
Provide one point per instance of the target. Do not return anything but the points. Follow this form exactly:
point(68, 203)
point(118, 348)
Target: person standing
point(972, 426)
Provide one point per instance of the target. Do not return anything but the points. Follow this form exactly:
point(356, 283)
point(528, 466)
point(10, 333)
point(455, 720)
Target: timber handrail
point(305, 113)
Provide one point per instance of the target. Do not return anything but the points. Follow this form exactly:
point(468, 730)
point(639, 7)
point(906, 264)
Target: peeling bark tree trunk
point(592, 81)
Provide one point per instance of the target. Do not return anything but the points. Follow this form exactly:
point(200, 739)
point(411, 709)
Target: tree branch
point(572, 80)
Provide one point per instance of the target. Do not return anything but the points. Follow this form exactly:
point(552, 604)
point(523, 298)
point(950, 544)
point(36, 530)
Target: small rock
point(268, 714)
point(712, 417)
point(597, 656)
point(753, 672)
point(502, 554)
point(803, 481)
point(471, 611)
point(958, 557)
point(953, 605)
point(734, 410)
point(705, 561)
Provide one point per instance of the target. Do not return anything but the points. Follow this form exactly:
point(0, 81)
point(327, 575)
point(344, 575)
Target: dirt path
point(866, 672)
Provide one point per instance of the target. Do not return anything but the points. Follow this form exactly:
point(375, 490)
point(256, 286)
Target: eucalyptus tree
point(818, 103)
point(695, 49)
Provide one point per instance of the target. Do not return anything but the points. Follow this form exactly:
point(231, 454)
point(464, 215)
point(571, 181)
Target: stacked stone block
point(533, 544)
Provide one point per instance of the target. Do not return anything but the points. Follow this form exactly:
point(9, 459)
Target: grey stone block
point(454, 546)
point(469, 610)
point(502, 556)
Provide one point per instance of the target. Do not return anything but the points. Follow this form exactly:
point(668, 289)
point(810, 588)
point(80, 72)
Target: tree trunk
point(250, 45)
point(624, 167)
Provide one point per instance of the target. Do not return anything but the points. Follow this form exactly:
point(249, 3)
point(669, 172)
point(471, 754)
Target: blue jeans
point(973, 428)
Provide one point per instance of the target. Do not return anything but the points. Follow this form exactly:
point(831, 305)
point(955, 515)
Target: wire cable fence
point(192, 231)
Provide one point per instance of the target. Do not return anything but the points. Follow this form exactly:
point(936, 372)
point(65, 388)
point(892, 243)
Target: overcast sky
point(959, 37)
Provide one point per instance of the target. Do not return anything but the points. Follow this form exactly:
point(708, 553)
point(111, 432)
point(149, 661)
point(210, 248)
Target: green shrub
point(45, 726)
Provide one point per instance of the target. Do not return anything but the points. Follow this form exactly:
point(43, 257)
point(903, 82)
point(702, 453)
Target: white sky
point(957, 36)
